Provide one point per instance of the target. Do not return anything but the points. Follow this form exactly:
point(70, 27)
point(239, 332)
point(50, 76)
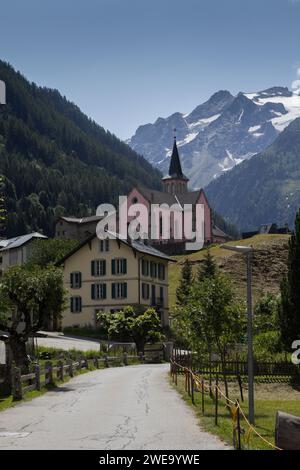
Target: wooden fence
point(238, 368)
point(48, 375)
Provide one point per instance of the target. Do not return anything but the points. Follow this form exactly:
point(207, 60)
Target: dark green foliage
point(208, 267)
point(185, 283)
point(289, 311)
point(265, 313)
point(265, 188)
point(45, 252)
point(138, 324)
point(55, 160)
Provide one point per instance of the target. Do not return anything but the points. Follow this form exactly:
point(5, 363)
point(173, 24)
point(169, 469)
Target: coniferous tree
point(185, 283)
point(208, 267)
point(289, 310)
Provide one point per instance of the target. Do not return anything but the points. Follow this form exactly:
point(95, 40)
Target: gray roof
point(160, 197)
point(19, 241)
point(82, 220)
point(134, 244)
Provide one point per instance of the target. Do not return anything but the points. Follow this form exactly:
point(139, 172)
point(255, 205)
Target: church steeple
point(175, 170)
point(175, 182)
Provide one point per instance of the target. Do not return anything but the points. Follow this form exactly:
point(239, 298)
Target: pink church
point(175, 191)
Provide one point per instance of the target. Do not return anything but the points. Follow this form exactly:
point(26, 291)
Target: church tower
point(175, 182)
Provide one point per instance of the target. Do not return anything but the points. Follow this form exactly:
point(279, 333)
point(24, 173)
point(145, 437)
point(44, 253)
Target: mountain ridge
point(264, 189)
point(220, 133)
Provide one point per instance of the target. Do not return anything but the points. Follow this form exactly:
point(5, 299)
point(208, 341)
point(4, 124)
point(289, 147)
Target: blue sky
point(126, 62)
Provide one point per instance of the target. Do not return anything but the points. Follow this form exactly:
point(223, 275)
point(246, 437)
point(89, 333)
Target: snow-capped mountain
point(220, 133)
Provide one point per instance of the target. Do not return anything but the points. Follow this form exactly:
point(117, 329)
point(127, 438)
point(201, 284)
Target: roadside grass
point(267, 403)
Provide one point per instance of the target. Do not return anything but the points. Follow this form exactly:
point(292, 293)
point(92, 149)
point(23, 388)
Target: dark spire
point(175, 170)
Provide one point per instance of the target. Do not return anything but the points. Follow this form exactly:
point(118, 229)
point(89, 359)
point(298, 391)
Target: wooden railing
point(238, 368)
point(51, 373)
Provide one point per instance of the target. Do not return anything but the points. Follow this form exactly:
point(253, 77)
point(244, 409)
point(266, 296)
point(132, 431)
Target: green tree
point(208, 267)
point(212, 320)
point(289, 310)
point(45, 252)
point(2, 207)
point(184, 289)
point(137, 324)
point(31, 297)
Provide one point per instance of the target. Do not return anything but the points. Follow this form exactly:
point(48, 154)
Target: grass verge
point(267, 404)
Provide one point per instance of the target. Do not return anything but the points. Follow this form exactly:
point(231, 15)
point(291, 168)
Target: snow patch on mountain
point(218, 134)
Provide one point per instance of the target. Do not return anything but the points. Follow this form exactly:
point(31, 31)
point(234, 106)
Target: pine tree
point(289, 310)
point(185, 283)
point(208, 267)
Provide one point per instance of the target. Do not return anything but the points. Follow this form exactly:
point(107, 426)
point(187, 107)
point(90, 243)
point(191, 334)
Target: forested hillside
point(264, 189)
point(55, 160)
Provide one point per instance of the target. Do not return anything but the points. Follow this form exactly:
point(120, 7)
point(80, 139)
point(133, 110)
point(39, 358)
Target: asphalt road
point(130, 407)
point(57, 341)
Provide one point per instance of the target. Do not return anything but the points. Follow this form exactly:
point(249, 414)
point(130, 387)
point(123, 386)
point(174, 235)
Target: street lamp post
point(248, 251)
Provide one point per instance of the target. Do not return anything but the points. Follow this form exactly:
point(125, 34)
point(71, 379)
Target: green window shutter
point(71, 279)
point(104, 291)
point(93, 291)
point(125, 290)
point(113, 290)
point(113, 266)
point(124, 266)
point(80, 279)
point(93, 268)
point(80, 304)
point(104, 267)
point(71, 304)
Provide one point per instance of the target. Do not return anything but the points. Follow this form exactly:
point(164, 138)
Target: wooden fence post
point(189, 382)
point(216, 400)
point(17, 391)
point(176, 371)
point(141, 357)
point(210, 387)
point(86, 362)
point(125, 359)
point(71, 370)
point(202, 395)
point(238, 426)
point(96, 363)
point(37, 377)
point(240, 386)
point(192, 388)
point(60, 370)
point(106, 361)
point(49, 370)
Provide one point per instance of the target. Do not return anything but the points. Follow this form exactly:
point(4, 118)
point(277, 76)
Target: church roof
point(160, 197)
point(175, 170)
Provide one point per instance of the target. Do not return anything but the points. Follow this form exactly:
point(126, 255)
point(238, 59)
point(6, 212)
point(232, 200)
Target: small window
point(161, 272)
point(145, 291)
point(104, 245)
point(119, 290)
point(98, 291)
point(134, 200)
point(153, 269)
point(75, 280)
point(145, 267)
point(98, 267)
point(76, 304)
point(161, 295)
point(119, 266)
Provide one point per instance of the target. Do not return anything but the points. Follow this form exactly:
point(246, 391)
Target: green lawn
point(267, 403)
